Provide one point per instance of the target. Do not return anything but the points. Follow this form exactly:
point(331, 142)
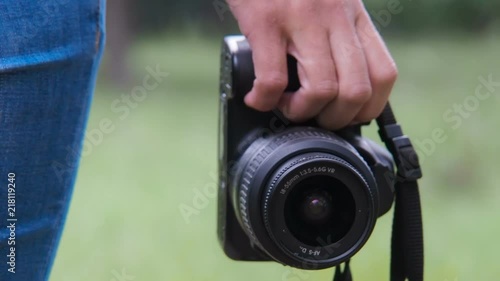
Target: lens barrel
point(305, 197)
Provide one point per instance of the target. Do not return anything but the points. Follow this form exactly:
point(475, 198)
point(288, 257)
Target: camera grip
point(237, 65)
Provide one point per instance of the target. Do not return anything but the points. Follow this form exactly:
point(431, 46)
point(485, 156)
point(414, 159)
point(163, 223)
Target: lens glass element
point(319, 210)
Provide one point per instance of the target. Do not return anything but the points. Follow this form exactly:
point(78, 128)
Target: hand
point(345, 70)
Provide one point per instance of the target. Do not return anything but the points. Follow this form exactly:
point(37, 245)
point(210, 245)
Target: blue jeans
point(49, 54)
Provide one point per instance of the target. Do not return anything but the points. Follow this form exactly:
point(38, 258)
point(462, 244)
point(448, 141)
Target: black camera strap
point(407, 252)
point(343, 274)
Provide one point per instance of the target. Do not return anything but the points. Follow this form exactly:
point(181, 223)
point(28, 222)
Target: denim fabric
point(49, 53)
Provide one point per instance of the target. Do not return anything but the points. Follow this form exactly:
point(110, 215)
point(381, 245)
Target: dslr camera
point(292, 193)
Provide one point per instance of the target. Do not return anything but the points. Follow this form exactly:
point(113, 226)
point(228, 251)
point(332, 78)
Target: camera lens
point(319, 208)
point(316, 208)
point(305, 197)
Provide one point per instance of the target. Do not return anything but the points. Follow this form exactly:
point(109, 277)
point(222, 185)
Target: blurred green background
point(125, 221)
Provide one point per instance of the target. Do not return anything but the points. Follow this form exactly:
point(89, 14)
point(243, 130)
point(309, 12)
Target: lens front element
point(319, 208)
point(316, 208)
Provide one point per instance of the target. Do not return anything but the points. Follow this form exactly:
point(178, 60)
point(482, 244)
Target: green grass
point(125, 210)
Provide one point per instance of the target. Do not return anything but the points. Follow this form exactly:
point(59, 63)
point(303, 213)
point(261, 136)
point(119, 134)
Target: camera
point(292, 193)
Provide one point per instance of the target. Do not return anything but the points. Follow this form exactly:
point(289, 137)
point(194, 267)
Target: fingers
point(271, 75)
point(317, 76)
point(381, 67)
point(352, 70)
point(345, 70)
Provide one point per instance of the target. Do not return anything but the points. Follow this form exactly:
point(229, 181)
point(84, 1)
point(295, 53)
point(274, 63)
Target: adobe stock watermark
point(202, 196)
point(121, 108)
point(121, 275)
point(456, 114)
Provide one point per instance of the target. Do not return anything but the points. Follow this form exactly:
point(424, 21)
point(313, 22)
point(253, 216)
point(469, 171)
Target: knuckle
point(325, 90)
point(386, 75)
point(273, 82)
point(267, 13)
point(260, 105)
point(367, 116)
point(358, 93)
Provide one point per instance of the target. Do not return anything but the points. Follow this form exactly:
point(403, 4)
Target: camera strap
point(343, 275)
point(407, 249)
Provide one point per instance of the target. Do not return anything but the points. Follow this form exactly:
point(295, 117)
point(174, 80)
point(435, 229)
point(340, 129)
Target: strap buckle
point(404, 154)
point(406, 159)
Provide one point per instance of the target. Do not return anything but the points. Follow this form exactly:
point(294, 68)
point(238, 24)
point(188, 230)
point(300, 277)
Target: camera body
point(292, 193)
